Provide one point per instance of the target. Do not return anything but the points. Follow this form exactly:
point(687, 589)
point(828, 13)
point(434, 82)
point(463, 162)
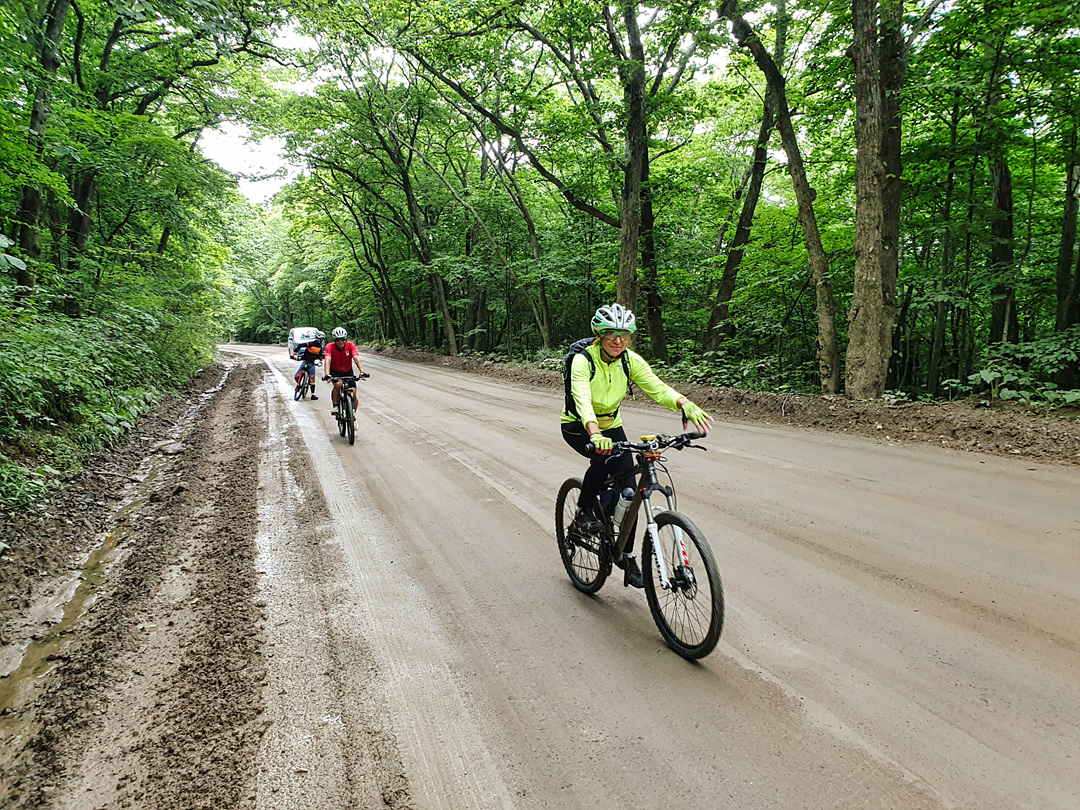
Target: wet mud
point(155, 701)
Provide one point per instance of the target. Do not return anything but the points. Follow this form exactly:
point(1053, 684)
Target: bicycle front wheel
point(690, 615)
point(350, 421)
point(341, 418)
point(582, 556)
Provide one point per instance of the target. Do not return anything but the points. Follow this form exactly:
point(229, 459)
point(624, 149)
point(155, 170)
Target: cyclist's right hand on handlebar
point(601, 444)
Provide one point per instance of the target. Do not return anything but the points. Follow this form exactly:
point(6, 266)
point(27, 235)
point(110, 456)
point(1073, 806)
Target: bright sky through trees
point(252, 161)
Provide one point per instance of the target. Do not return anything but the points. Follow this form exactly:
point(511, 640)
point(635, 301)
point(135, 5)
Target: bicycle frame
point(648, 483)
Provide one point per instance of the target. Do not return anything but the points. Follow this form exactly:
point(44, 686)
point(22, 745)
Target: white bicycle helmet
point(320, 335)
point(339, 333)
point(616, 317)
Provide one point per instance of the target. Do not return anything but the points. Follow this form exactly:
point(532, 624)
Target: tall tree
point(879, 56)
point(828, 351)
point(47, 27)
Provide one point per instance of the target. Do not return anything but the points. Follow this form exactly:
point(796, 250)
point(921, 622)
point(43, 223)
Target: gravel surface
point(151, 646)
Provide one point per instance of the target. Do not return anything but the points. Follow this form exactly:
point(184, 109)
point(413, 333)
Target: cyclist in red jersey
point(341, 357)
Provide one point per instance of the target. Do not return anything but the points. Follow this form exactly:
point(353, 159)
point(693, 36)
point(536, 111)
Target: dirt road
point(388, 624)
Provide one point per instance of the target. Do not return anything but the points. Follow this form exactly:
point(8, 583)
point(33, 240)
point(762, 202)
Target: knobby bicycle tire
point(350, 419)
point(690, 616)
point(584, 559)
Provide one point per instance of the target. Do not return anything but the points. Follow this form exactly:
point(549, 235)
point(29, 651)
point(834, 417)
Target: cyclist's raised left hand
point(696, 416)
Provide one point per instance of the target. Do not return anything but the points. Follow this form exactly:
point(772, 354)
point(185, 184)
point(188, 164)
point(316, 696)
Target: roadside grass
point(72, 386)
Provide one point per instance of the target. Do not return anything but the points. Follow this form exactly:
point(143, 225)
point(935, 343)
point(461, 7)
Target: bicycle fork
point(652, 533)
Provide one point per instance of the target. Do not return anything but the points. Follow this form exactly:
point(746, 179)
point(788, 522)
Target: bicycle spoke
point(582, 556)
point(689, 617)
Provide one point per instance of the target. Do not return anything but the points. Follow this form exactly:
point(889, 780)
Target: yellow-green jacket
point(598, 399)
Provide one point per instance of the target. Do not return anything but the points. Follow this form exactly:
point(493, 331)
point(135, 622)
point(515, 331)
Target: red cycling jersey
point(340, 360)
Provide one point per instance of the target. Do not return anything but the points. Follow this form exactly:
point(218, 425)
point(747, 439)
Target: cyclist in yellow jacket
point(598, 384)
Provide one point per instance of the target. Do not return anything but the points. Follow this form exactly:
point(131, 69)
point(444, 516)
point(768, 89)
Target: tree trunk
point(481, 342)
point(79, 221)
point(51, 27)
point(867, 354)
point(828, 352)
point(469, 338)
point(545, 314)
point(632, 74)
point(650, 271)
point(893, 70)
point(1067, 244)
point(720, 243)
point(944, 287)
point(1068, 280)
point(438, 287)
point(1004, 327)
point(718, 327)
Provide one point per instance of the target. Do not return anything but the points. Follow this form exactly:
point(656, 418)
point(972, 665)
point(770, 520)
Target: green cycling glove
point(600, 442)
point(693, 414)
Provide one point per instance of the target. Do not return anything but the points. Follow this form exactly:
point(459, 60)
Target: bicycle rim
point(350, 424)
point(690, 616)
point(582, 557)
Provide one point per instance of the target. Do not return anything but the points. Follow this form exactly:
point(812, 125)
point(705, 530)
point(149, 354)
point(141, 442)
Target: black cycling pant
point(600, 467)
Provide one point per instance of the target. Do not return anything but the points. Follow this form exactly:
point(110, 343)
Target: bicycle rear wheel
point(583, 557)
point(350, 419)
point(341, 417)
point(690, 616)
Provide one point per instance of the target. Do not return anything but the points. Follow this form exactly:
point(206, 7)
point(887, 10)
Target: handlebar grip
point(692, 436)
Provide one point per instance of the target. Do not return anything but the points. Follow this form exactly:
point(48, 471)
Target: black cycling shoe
point(314, 396)
point(586, 522)
point(631, 571)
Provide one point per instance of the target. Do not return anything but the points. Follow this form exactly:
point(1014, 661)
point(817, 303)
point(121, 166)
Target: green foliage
point(1026, 371)
point(68, 387)
point(21, 486)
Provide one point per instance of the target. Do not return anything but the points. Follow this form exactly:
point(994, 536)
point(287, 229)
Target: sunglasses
point(617, 335)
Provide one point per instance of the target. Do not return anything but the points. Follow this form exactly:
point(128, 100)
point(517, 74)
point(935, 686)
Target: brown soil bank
point(999, 428)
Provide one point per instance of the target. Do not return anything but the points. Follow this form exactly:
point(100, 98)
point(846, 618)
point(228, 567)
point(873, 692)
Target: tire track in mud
point(219, 663)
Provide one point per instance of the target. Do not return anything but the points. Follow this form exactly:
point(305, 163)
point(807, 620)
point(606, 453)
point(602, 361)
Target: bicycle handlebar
point(661, 442)
point(346, 377)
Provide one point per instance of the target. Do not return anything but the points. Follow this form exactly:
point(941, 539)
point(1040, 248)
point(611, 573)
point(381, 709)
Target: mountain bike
point(305, 382)
point(681, 578)
point(346, 416)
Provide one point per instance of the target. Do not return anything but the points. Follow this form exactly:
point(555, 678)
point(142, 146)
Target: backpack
point(579, 347)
